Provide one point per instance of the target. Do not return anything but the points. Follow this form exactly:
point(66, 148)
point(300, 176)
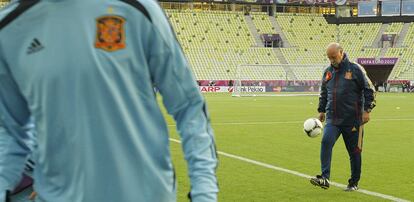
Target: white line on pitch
point(265, 165)
point(290, 122)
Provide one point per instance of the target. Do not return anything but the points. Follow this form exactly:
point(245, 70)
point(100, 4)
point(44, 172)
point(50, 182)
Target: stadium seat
point(217, 42)
point(262, 22)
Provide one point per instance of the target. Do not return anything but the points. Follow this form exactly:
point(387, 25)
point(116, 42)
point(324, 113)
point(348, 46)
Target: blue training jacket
point(77, 76)
point(345, 93)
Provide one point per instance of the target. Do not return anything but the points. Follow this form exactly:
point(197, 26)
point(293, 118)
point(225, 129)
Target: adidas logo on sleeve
point(34, 47)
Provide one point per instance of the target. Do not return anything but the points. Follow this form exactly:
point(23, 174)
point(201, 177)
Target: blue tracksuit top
point(76, 90)
point(345, 93)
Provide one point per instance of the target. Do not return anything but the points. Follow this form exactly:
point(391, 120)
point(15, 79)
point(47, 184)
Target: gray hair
point(336, 46)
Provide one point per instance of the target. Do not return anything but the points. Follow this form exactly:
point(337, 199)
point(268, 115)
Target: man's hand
point(322, 117)
point(365, 117)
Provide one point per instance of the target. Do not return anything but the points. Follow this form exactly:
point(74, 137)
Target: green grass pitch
point(252, 127)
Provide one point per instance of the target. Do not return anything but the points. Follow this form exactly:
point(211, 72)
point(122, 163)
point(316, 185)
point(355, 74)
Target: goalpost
point(277, 80)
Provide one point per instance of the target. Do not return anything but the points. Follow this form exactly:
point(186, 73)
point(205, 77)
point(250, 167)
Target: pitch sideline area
point(292, 172)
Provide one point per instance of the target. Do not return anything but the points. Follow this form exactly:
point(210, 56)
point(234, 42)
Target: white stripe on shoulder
point(360, 67)
point(364, 73)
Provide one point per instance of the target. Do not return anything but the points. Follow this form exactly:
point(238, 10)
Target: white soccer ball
point(313, 127)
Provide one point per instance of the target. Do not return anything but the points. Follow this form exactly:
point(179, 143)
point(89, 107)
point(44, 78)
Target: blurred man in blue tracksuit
point(77, 77)
point(347, 97)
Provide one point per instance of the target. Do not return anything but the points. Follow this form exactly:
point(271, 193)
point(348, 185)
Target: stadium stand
point(310, 34)
point(3, 3)
point(262, 72)
point(355, 38)
point(216, 42)
point(305, 55)
point(306, 31)
point(305, 73)
point(222, 63)
point(395, 28)
point(262, 23)
point(404, 69)
point(216, 29)
point(409, 39)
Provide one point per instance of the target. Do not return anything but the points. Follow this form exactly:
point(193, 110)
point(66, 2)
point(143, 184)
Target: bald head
point(336, 47)
point(335, 53)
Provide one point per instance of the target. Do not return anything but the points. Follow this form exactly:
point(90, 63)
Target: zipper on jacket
point(334, 95)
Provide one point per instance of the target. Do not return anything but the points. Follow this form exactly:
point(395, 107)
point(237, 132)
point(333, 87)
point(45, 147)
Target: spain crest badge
point(110, 33)
point(348, 75)
point(328, 76)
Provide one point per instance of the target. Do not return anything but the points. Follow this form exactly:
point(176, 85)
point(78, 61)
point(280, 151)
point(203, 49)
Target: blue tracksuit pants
point(350, 136)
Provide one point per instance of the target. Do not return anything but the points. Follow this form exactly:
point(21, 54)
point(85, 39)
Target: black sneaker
point(352, 186)
point(320, 182)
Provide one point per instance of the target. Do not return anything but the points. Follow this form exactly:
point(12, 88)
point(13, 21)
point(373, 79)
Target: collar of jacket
point(344, 62)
